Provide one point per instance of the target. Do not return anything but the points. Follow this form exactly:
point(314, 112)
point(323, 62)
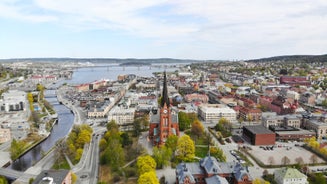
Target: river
point(66, 118)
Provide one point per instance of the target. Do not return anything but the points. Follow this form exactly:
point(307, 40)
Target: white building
point(121, 115)
point(13, 100)
point(213, 113)
point(293, 94)
point(290, 176)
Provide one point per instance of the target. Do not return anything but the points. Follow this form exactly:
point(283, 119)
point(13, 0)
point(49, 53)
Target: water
point(66, 118)
point(60, 130)
point(111, 72)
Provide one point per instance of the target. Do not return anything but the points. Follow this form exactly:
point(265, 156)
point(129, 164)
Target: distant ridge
point(293, 58)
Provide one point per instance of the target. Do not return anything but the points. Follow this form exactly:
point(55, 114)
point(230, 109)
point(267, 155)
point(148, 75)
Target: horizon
point(206, 30)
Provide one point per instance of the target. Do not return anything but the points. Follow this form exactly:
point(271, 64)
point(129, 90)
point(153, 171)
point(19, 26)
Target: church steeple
point(165, 98)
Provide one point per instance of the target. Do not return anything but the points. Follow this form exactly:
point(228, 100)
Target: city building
point(121, 115)
point(208, 170)
point(54, 176)
point(294, 80)
point(213, 113)
point(13, 100)
point(259, 135)
point(164, 123)
point(288, 175)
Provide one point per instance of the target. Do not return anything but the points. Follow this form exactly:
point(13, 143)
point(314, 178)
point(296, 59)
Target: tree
point(3, 180)
point(271, 160)
point(299, 160)
point(183, 121)
point(265, 172)
point(137, 127)
point(218, 153)
point(112, 125)
point(162, 156)
point(285, 160)
point(197, 129)
point(314, 159)
point(145, 164)
point(319, 179)
point(83, 137)
point(114, 154)
point(125, 139)
point(102, 144)
point(260, 181)
point(148, 178)
point(78, 155)
point(185, 148)
point(171, 142)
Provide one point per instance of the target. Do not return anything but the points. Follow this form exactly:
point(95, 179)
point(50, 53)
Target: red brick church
point(165, 122)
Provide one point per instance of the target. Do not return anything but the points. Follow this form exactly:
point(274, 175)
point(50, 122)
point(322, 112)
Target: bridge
point(13, 174)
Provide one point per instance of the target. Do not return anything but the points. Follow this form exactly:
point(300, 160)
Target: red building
point(165, 123)
point(294, 80)
point(259, 135)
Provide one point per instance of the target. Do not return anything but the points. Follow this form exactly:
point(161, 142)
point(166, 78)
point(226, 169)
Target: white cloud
point(233, 25)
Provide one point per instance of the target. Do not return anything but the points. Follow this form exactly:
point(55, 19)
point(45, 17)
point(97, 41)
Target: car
point(232, 152)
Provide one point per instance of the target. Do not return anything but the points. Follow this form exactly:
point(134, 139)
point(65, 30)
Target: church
point(164, 123)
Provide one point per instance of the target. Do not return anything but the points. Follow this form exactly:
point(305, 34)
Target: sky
point(181, 29)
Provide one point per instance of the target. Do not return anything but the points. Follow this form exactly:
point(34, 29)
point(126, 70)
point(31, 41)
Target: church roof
point(165, 98)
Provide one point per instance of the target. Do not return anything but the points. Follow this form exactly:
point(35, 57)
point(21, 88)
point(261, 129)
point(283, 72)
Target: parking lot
point(273, 155)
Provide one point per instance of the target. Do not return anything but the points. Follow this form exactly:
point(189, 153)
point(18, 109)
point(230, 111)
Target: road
point(88, 168)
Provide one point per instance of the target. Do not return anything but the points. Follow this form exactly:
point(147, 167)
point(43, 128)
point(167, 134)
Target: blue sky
point(185, 29)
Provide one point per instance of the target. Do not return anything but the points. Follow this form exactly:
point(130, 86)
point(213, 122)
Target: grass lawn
point(62, 165)
point(201, 151)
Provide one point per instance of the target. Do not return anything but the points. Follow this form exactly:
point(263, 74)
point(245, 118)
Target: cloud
point(233, 25)
point(9, 9)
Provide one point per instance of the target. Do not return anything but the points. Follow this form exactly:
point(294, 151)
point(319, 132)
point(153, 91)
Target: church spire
point(165, 99)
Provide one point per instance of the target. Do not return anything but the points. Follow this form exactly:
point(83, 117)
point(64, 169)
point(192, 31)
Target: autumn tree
point(145, 164)
point(148, 178)
point(3, 180)
point(185, 148)
point(197, 129)
point(260, 181)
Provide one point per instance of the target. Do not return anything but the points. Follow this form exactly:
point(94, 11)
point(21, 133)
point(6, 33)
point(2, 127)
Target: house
point(290, 176)
point(54, 176)
point(208, 170)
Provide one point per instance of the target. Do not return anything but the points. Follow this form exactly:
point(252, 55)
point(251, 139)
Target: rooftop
point(258, 129)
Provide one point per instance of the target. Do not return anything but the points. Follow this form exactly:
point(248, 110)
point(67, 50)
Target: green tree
point(78, 155)
point(83, 137)
point(114, 154)
point(137, 127)
point(218, 153)
point(125, 139)
point(162, 156)
point(183, 121)
point(148, 178)
point(185, 148)
point(16, 148)
point(3, 180)
point(171, 142)
point(145, 164)
point(112, 125)
point(102, 144)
